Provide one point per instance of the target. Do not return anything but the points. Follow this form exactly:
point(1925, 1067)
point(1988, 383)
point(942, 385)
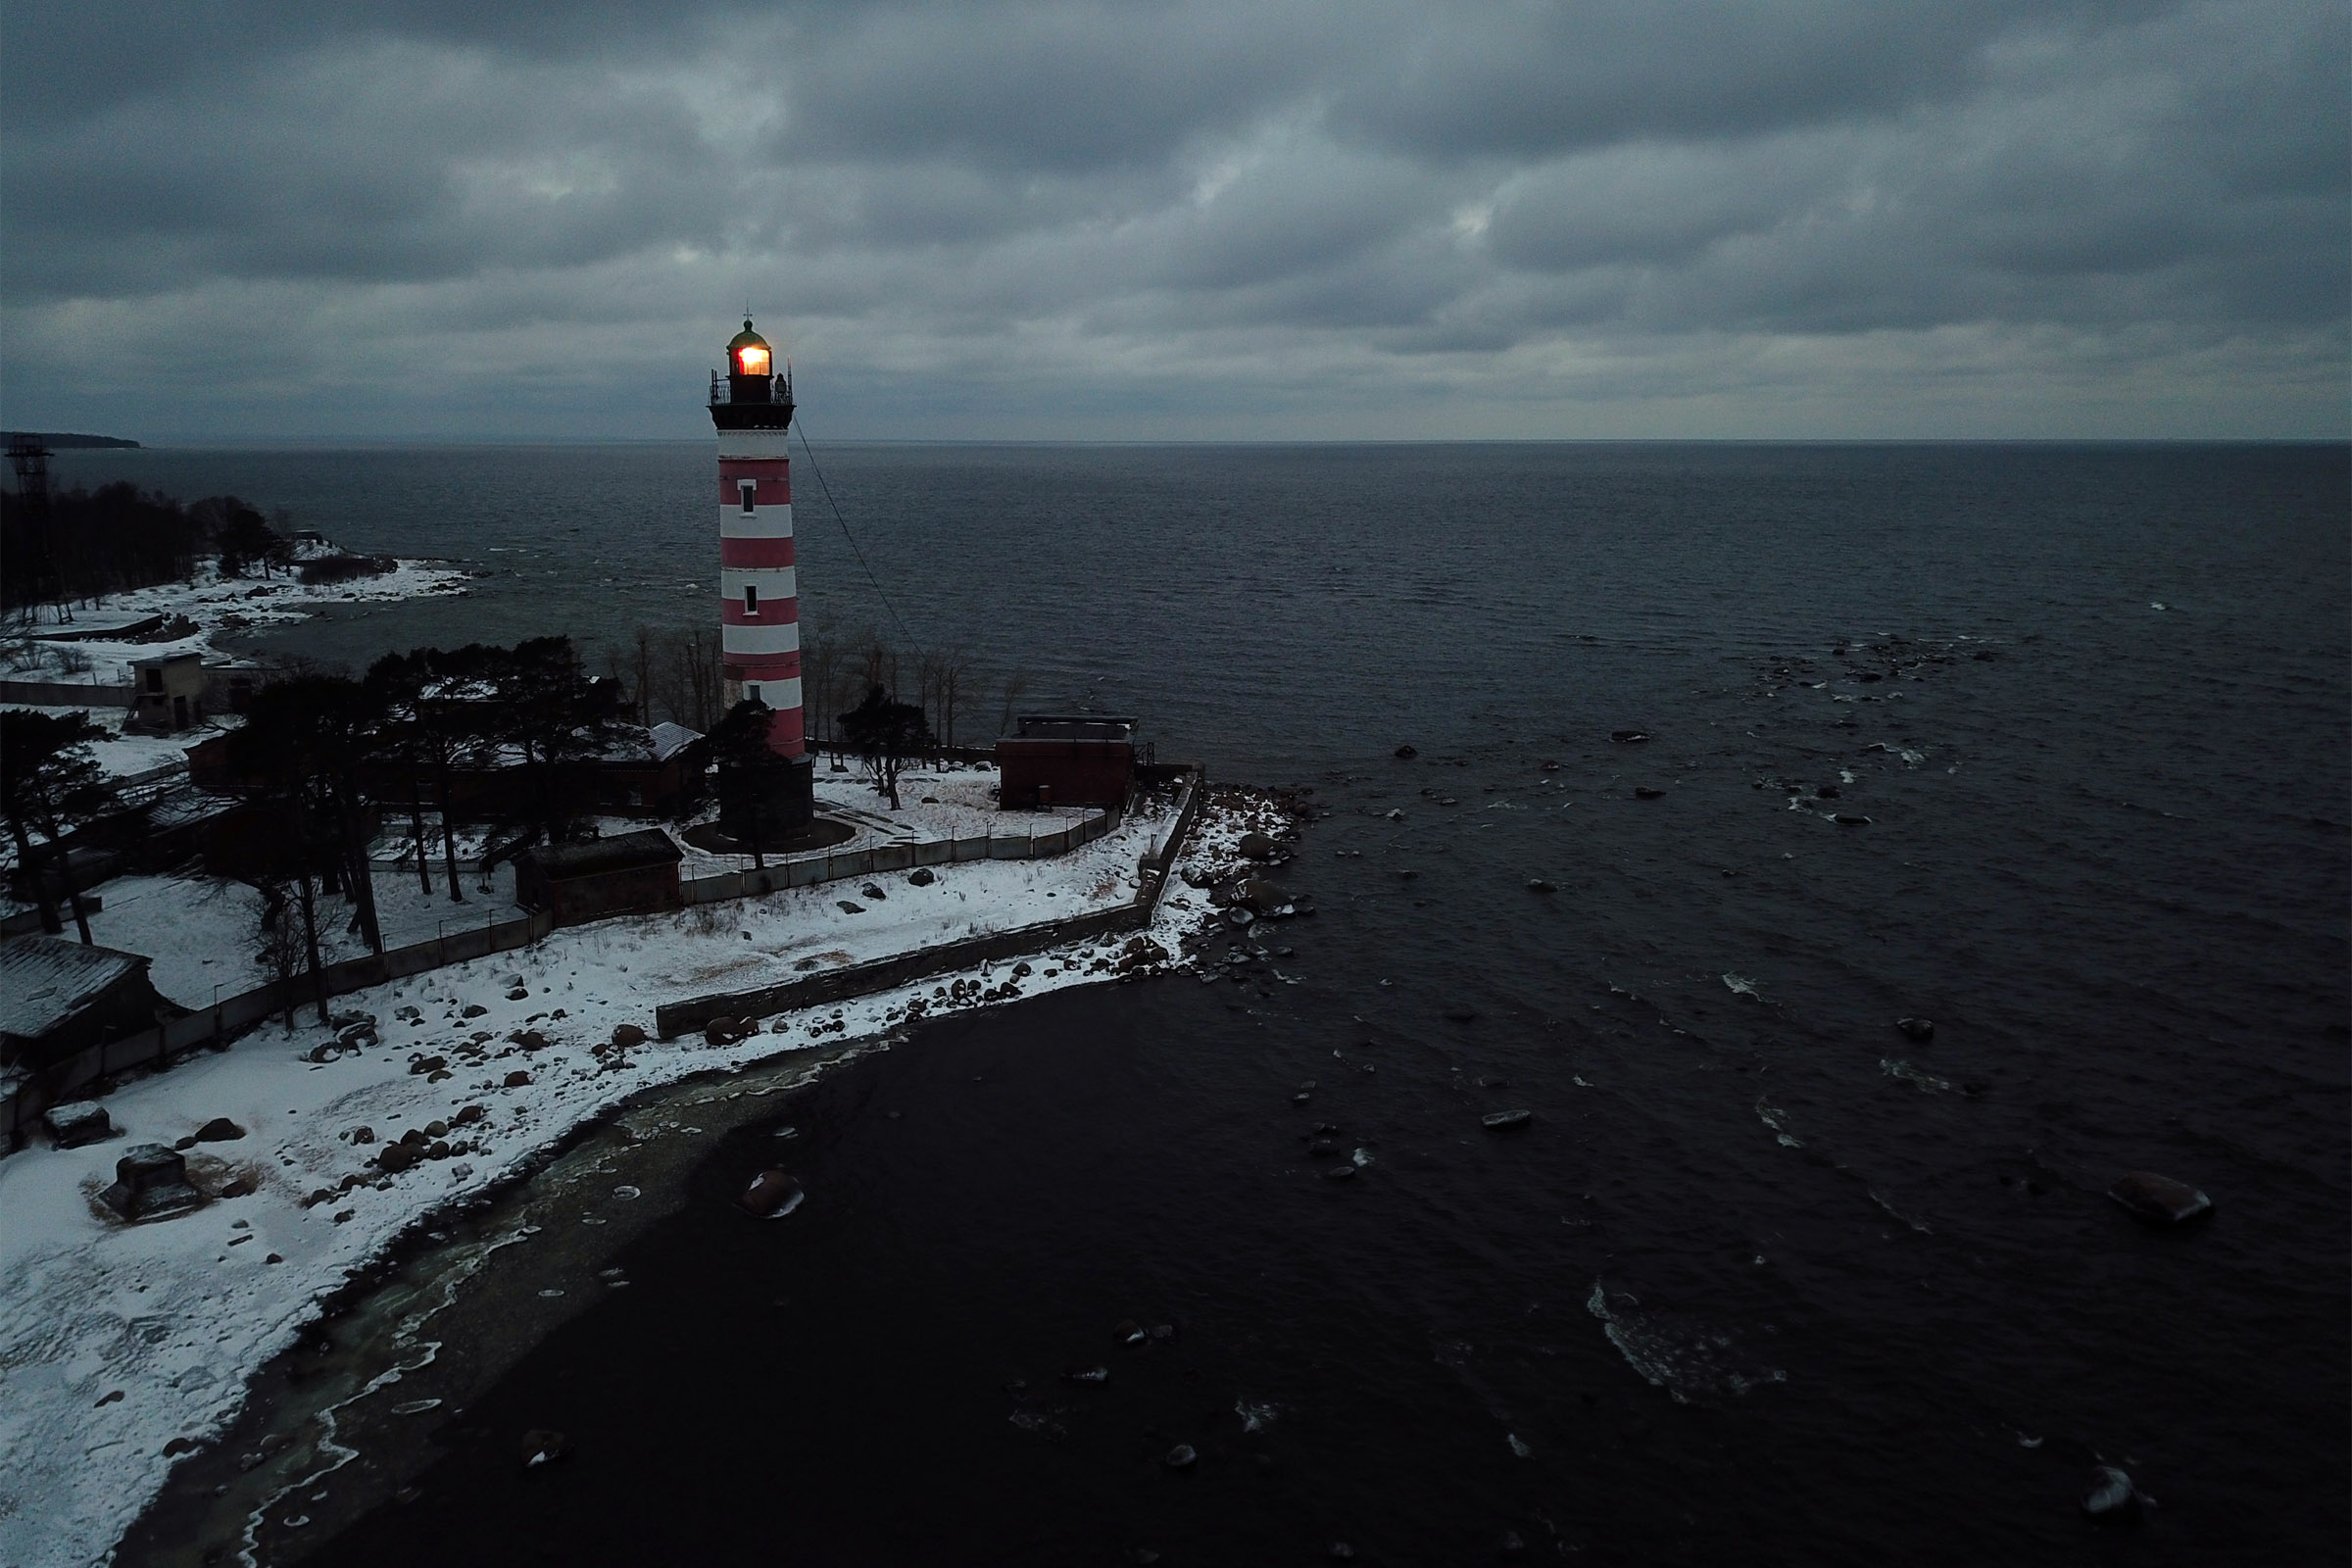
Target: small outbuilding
point(167, 694)
point(629, 873)
point(1066, 759)
point(59, 996)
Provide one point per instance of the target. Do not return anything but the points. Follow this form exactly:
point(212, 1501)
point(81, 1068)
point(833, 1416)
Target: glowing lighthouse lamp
point(759, 615)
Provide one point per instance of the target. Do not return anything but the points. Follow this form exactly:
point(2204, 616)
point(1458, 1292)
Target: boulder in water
point(768, 1193)
point(1919, 1031)
point(1261, 896)
point(1406, 754)
point(1499, 1121)
point(1536, 884)
point(1259, 846)
point(1646, 792)
point(543, 1445)
point(1183, 1456)
point(1629, 737)
point(2109, 1494)
point(2159, 1199)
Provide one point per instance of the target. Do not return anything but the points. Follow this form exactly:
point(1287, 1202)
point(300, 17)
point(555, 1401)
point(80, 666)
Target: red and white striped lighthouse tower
point(760, 609)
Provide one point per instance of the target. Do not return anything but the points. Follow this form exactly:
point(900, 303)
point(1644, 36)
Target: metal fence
point(64, 694)
point(229, 1016)
point(671, 1019)
point(836, 865)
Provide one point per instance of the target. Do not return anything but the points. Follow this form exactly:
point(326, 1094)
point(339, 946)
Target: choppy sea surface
point(1764, 1280)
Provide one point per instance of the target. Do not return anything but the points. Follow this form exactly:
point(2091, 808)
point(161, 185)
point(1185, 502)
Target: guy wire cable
point(801, 425)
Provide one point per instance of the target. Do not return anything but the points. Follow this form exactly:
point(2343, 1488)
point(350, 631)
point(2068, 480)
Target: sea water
point(1764, 1280)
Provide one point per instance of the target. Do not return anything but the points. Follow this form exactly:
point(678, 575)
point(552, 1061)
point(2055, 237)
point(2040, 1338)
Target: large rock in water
point(1259, 846)
point(768, 1192)
point(2159, 1199)
point(2109, 1493)
point(151, 1180)
point(1261, 896)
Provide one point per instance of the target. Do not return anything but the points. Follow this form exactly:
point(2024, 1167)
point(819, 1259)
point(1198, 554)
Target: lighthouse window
point(751, 600)
point(751, 693)
point(750, 491)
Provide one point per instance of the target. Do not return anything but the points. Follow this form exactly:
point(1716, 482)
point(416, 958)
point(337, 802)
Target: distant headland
point(57, 440)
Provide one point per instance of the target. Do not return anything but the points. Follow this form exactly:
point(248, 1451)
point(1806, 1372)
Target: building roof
point(669, 739)
point(624, 852)
point(1072, 727)
point(46, 980)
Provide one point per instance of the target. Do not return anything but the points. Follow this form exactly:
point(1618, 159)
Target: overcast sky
point(1202, 219)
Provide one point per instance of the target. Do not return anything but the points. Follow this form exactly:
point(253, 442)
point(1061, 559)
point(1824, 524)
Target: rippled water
point(1765, 1280)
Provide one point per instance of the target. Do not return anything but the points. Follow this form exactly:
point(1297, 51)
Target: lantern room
point(749, 353)
point(751, 375)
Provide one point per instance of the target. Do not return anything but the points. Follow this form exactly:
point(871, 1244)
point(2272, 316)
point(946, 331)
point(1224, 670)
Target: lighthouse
point(759, 613)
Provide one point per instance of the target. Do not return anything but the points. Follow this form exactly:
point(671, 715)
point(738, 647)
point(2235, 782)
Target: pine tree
point(50, 783)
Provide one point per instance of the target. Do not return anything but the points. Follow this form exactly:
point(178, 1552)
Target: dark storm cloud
point(1534, 215)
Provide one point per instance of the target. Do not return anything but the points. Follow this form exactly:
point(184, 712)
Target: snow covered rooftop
point(46, 980)
point(668, 739)
point(624, 851)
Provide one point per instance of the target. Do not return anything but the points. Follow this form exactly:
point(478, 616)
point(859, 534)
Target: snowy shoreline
point(214, 606)
point(141, 1341)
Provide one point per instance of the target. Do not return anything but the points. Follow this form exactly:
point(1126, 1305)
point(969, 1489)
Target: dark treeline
point(326, 754)
point(86, 544)
point(681, 676)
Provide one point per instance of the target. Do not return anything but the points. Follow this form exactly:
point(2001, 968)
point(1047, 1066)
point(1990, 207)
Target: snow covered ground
point(214, 603)
point(134, 756)
point(201, 931)
point(121, 1344)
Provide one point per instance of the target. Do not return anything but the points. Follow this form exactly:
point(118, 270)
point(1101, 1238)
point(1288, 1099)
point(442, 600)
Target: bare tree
point(886, 733)
point(1016, 683)
point(693, 679)
point(819, 662)
point(641, 669)
point(955, 673)
point(930, 685)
